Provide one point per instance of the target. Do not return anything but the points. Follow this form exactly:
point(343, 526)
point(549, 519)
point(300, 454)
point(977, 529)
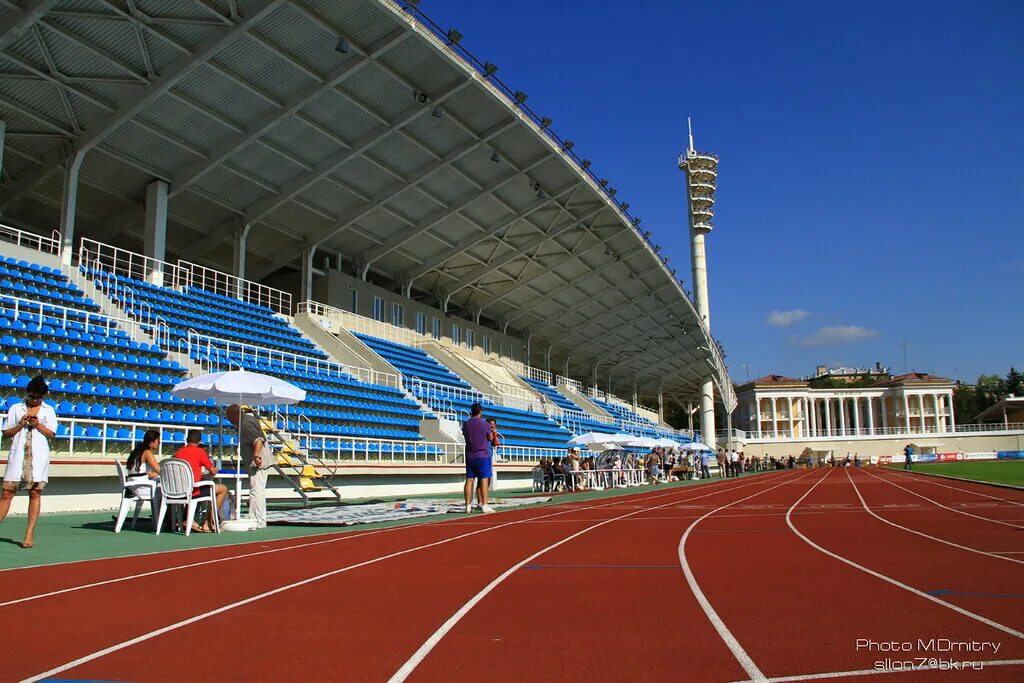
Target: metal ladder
point(305, 473)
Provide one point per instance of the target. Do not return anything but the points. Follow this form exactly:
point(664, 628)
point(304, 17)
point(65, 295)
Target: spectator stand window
point(456, 334)
point(397, 315)
point(485, 341)
point(421, 323)
point(435, 328)
point(378, 309)
point(470, 341)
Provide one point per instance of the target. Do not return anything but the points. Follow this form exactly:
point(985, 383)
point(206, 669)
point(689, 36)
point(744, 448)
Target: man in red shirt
point(196, 457)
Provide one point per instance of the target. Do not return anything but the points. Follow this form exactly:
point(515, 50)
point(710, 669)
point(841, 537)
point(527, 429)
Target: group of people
point(733, 463)
point(257, 459)
point(569, 473)
point(31, 423)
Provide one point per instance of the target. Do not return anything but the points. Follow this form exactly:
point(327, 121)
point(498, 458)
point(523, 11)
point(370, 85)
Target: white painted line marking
point(932, 480)
point(894, 582)
point(946, 507)
point(724, 633)
point(921, 533)
point(260, 596)
point(431, 642)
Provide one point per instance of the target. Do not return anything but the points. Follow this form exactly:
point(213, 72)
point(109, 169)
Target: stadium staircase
point(306, 474)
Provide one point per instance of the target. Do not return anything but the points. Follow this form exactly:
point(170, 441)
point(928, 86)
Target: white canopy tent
point(244, 388)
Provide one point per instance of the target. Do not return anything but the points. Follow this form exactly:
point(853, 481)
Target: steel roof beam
point(138, 101)
point(17, 21)
point(476, 239)
point(298, 184)
point(381, 198)
point(228, 146)
point(476, 274)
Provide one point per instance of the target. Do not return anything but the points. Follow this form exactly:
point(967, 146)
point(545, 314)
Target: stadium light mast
point(701, 171)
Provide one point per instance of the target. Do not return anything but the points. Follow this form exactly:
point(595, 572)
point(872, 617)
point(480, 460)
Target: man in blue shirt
point(705, 472)
point(477, 433)
point(908, 453)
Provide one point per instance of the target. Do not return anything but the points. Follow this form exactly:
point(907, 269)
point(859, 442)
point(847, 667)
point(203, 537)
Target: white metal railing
point(135, 307)
point(447, 394)
point(62, 316)
point(573, 384)
point(87, 445)
point(333, 450)
point(106, 257)
point(578, 416)
point(219, 282)
point(31, 240)
point(353, 322)
point(216, 352)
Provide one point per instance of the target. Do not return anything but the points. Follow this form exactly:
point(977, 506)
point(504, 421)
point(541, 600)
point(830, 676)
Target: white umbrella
point(244, 388)
point(597, 438)
point(644, 442)
point(666, 442)
point(239, 386)
point(695, 446)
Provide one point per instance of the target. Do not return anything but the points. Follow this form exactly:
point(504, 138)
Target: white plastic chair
point(538, 479)
point(177, 485)
point(139, 492)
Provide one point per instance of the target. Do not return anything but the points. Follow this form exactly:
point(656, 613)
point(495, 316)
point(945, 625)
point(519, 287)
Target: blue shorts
point(478, 468)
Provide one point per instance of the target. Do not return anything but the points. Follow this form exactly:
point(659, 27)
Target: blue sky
point(872, 161)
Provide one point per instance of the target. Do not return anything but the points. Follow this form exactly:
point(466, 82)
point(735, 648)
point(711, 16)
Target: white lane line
point(431, 642)
point(266, 594)
point(946, 507)
point(724, 633)
point(932, 480)
point(921, 533)
point(166, 570)
point(888, 579)
point(228, 558)
point(875, 672)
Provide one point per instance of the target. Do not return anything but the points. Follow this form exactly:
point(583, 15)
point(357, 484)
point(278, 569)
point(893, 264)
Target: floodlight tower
point(701, 171)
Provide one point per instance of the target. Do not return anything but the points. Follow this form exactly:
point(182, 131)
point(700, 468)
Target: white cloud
point(838, 334)
point(786, 318)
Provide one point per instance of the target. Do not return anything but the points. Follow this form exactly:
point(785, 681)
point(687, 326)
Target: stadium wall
point(336, 289)
point(892, 445)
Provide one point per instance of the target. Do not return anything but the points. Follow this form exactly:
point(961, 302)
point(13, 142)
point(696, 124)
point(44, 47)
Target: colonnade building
point(775, 406)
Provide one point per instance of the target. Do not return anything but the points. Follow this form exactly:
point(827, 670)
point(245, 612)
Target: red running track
point(779, 576)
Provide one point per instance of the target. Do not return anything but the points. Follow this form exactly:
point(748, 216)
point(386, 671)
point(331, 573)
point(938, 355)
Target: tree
point(964, 404)
point(1014, 384)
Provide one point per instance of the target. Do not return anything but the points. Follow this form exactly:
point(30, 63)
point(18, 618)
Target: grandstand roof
point(353, 128)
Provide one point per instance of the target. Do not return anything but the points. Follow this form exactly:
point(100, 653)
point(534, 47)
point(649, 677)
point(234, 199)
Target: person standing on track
point(257, 459)
point(908, 455)
point(477, 433)
point(30, 425)
point(705, 471)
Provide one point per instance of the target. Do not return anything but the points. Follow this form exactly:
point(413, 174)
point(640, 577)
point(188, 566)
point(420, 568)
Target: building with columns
point(781, 407)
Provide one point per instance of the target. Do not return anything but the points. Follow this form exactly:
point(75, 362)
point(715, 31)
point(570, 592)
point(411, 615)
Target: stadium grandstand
point(338, 194)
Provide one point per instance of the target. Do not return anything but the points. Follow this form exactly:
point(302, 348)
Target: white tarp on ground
point(368, 513)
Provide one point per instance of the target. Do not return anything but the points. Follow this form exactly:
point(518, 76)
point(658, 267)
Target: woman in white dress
point(29, 424)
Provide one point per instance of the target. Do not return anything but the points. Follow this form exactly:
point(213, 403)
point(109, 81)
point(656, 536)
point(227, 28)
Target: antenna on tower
point(689, 127)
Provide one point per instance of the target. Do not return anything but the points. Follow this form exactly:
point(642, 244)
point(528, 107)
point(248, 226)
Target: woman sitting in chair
point(142, 464)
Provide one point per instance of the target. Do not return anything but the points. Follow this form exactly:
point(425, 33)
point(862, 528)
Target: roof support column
point(154, 238)
point(707, 412)
point(634, 394)
point(69, 204)
point(3, 141)
point(661, 405)
point(238, 267)
point(307, 273)
point(547, 359)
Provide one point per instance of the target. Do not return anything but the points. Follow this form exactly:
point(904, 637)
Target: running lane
point(353, 624)
point(994, 503)
point(892, 499)
point(986, 586)
point(610, 604)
